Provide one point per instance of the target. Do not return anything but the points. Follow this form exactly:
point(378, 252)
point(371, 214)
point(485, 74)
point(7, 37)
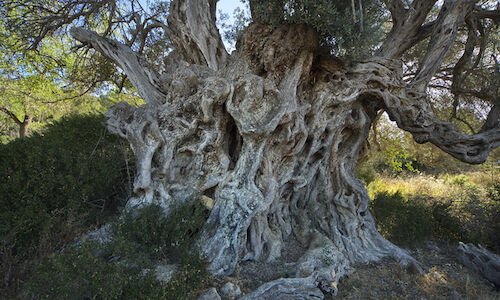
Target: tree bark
point(480, 260)
point(275, 141)
point(23, 127)
point(193, 31)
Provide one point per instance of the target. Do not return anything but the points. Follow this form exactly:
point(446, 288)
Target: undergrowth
point(56, 185)
point(124, 268)
point(465, 208)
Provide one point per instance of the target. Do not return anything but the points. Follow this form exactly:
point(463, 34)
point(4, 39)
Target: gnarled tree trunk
point(272, 133)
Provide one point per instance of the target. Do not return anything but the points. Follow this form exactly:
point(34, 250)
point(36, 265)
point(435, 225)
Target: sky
point(224, 6)
point(228, 6)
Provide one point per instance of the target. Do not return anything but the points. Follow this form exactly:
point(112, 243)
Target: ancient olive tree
point(272, 132)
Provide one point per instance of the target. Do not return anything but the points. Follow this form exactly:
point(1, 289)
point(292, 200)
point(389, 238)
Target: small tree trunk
point(23, 127)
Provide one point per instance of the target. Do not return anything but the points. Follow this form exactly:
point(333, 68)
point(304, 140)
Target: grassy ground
point(463, 207)
point(428, 215)
point(444, 278)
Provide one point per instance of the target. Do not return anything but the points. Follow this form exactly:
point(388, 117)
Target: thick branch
point(143, 77)
point(489, 14)
point(407, 29)
point(409, 109)
point(194, 33)
point(443, 36)
point(11, 115)
point(493, 119)
point(413, 115)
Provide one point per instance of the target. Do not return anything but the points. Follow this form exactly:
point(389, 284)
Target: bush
point(172, 236)
point(124, 266)
point(366, 173)
point(446, 226)
point(465, 217)
point(400, 220)
point(480, 217)
point(57, 184)
point(459, 180)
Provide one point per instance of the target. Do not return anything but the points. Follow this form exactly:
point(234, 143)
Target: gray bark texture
point(272, 134)
point(481, 260)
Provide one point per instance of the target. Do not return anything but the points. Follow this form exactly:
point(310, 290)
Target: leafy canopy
point(349, 28)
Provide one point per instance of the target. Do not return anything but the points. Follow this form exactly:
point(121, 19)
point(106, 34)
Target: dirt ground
point(444, 278)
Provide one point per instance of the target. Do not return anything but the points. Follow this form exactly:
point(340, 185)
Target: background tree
point(42, 77)
point(273, 131)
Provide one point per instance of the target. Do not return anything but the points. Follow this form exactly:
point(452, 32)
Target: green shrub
point(494, 192)
point(400, 220)
point(55, 185)
point(412, 220)
point(366, 173)
point(123, 267)
point(172, 236)
point(446, 225)
point(459, 180)
point(480, 218)
point(401, 160)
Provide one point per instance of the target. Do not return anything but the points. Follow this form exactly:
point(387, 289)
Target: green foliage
point(366, 173)
point(460, 180)
point(57, 184)
point(230, 31)
point(400, 220)
point(479, 214)
point(77, 274)
point(400, 160)
point(172, 236)
point(446, 225)
point(339, 26)
point(494, 192)
point(463, 211)
point(124, 266)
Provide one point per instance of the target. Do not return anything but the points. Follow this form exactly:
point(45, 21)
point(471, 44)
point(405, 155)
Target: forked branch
point(407, 28)
point(194, 33)
point(445, 30)
point(11, 115)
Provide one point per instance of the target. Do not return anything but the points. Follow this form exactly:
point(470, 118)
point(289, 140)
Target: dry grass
point(444, 279)
point(471, 201)
point(442, 186)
